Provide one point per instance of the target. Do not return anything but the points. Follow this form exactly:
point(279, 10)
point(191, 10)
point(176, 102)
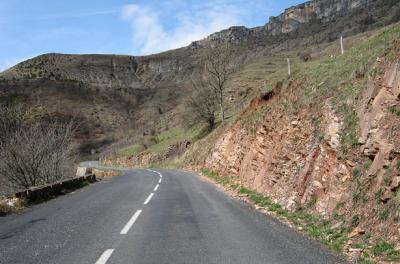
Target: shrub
point(305, 55)
point(33, 153)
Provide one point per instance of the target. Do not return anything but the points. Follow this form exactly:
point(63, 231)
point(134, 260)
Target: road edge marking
point(156, 188)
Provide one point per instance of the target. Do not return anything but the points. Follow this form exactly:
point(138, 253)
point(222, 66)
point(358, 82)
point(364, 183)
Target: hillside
point(321, 153)
point(319, 148)
point(127, 97)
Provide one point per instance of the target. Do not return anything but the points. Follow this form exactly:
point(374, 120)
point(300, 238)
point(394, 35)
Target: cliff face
point(323, 10)
point(346, 17)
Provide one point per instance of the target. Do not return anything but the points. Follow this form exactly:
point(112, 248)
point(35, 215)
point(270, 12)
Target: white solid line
point(128, 225)
point(156, 172)
point(149, 198)
point(155, 188)
point(105, 256)
point(159, 181)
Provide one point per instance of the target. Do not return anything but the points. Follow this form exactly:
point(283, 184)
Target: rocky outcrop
point(322, 10)
point(311, 17)
point(283, 160)
point(380, 127)
point(286, 160)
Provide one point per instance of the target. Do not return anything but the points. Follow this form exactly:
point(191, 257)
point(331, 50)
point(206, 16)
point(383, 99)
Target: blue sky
point(137, 27)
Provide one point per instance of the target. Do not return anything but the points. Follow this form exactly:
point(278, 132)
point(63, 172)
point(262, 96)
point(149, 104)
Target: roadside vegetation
point(161, 141)
point(33, 151)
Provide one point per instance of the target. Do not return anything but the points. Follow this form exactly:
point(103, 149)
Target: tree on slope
point(217, 74)
point(209, 87)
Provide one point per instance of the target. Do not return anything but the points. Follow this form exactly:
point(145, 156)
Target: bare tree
point(35, 152)
point(203, 103)
point(11, 119)
point(217, 74)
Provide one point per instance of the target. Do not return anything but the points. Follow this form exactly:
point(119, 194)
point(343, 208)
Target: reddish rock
point(387, 195)
point(356, 232)
point(395, 183)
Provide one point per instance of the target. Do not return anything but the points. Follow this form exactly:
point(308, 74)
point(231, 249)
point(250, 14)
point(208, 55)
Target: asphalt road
point(130, 220)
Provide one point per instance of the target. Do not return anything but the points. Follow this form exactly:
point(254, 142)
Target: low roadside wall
point(54, 189)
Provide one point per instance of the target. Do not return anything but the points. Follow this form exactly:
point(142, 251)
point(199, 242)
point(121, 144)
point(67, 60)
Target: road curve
point(152, 216)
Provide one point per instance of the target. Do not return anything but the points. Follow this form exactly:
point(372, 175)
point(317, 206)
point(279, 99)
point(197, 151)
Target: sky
point(136, 27)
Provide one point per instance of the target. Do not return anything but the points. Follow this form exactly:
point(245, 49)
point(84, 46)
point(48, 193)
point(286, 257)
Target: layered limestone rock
point(323, 10)
point(284, 161)
point(379, 127)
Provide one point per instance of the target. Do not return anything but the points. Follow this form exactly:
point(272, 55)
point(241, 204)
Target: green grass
point(160, 142)
point(131, 150)
point(350, 124)
point(170, 137)
point(384, 214)
point(394, 110)
point(253, 118)
point(383, 248)
point(365, 259)
point(225, 181)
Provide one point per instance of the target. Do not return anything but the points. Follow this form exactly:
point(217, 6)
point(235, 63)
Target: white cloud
point(150, 35)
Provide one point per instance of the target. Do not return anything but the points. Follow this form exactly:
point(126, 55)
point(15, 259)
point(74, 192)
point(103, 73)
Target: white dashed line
point(105, 256)
point(128, 226)
point(148, 198)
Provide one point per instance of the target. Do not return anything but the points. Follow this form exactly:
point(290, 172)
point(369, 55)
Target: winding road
point(152, 216)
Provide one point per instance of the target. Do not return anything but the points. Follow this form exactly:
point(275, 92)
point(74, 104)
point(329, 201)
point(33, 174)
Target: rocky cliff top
point(321, 11)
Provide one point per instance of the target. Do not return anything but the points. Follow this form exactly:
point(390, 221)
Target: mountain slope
point(116, 97)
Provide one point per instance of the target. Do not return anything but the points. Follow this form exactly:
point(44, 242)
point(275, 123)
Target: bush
point(305, 55)
point(34, 153)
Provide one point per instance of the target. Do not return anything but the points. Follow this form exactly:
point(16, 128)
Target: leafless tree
point(203, 103)
point(217, 74)
point(34, 152)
